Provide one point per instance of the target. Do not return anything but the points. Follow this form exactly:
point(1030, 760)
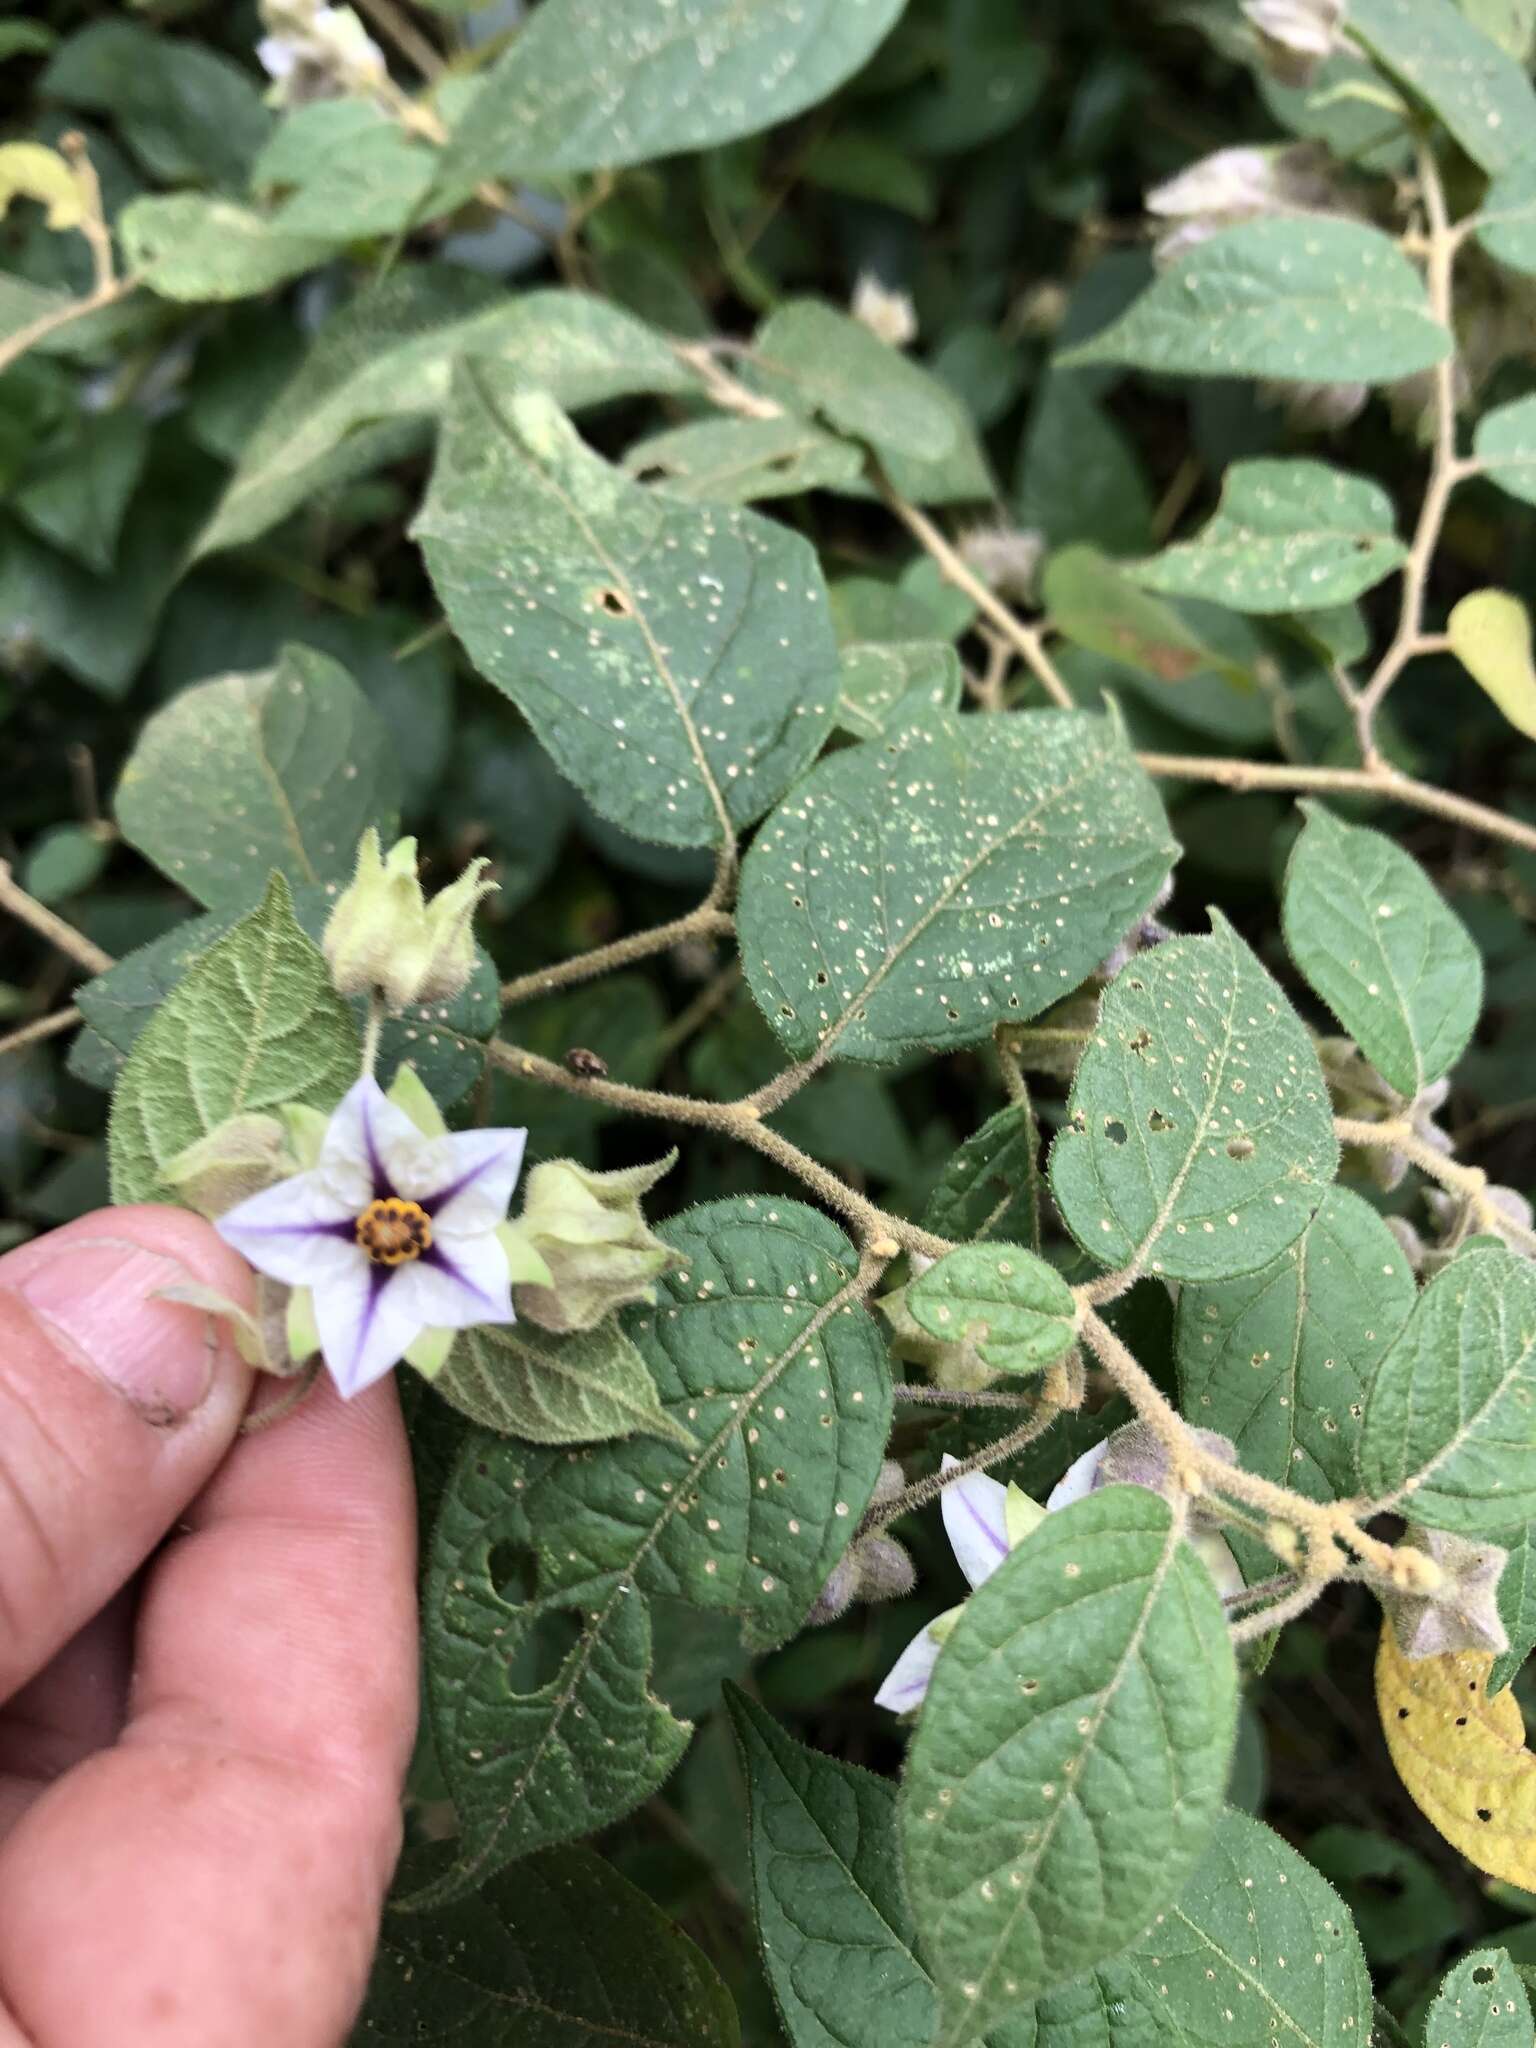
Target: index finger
point(217, 1876)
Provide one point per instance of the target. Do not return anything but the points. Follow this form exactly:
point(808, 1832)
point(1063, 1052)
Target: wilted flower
point(317, 53)
point(1242, 184)
point(1296, 35)
point(1006, 558)
point(888, 314)
point(984, 1520)
point(384, 938)
point(394, 1232)
point(1461, 1612)
point(591, 1234)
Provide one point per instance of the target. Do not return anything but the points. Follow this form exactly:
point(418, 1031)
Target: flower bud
point(385, 939)
point(1296, 35)
point(591, 1233)
point(1006, 558)
point(873, 1568)
point(235, 1160)
point(888, 314)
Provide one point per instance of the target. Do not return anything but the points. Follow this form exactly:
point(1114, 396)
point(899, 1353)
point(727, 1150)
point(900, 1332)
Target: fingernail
point(96, 1298)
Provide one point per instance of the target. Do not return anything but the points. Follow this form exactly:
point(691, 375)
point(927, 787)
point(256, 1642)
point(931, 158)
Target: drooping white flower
point(394, 1232)
point(315, 53)
point(1296, 35)
point(1243, 183)
point(889, 314)
point(984, 1520)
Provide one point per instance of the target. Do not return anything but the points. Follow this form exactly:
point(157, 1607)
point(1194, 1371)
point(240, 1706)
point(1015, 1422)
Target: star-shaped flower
point(394, 1232)
point(1462, 1611)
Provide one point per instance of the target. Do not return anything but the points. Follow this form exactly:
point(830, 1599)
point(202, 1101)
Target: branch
point(1027, 641)
point(922, 1491)
point(706, 922)
point(47, 925)
point(884, 1234)
point(1381, 780)
point(1469, 1182)
point(28, 337)
point(1445, 470)
point(39, 1029)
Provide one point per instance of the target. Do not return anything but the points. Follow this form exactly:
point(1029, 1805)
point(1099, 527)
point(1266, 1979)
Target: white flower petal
point(365, 1320)
point(482, 1172)
point(1076, 1483)
point(276, 56)
point(460, 1282)
point(976, 1522)
point(297, 1231)
point(1215, 1553)
point(907, 1680)
point(371, 1146)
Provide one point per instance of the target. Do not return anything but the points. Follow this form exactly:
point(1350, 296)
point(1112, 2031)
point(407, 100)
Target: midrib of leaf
point(653, 646)
point(1506, 1381)
point(940, 904)
point(624, 1576)
point(1202, 1123)
point(552, 1364)
point(259, 1000)
point(1391, 973)
point(254, 707)
point(1069, 1796)
point(1278, 2014)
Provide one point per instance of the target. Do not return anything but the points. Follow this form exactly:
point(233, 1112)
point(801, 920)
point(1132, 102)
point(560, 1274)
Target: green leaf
point(734, 461)
point(596, 84)
point(1279, 1360)
point(281, 769)
point(1378, 942)
point(1304, 300)
point(826, 1888)
point(1080, 478)
point(1517, 1606)
point(190, 115)
point(1027, 847)
point(1095, 603)
point(762, 1354)
point(1007, 1306)
point(1505, 441)
point(255, 1024)
point(378, 376)
point(1070, 1757)
point(347, 169)
point(1505, 223)
point(677, 662)
point(1287, 535)
point(504, 1969)
point(810, 357)
point(76, 495)
point(188, 245)
point(1399, 1902)
point(1200, 1135)
point(65, 860)
point(520, 1380)
point(990, 1189)
point(1450, 1420)
point(1480, 2004)
point(1490, 635)
point(1478, 90)
point(887, 684)
point(1510, 23)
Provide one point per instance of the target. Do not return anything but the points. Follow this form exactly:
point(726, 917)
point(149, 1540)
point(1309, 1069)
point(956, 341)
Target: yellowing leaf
point(1490, 634)
point(28, 171)
point(1461, 1755)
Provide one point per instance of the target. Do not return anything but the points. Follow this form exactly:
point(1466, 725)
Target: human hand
point(200, 1760)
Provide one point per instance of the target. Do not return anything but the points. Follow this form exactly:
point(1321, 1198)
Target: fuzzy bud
point(888, 314)
point(385, 939)
point(874, 1568)
point(1006, 558)
point(591, 1233)
point(1449, 1595)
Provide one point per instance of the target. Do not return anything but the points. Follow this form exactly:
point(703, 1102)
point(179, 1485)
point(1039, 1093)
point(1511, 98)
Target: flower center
point(391, 1231)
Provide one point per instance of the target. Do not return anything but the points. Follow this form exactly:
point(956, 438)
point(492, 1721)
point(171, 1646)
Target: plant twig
point(709, 920)
point(48, 925)
point(977, 1397)
point(884, 1234)
point(39, 1029)
point(1266, 1620)
point(393, 22)
point(922, 1491)
point(28, 337)
point(1468, 1182)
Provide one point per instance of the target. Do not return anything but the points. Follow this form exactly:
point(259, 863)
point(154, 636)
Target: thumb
point(115, 1406)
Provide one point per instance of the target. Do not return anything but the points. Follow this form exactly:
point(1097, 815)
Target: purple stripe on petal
point(383, 1186)
point(435, 1257)
point(967, 1507)
point(345, 1229)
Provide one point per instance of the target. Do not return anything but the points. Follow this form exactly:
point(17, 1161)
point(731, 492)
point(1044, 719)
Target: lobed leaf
point(1307, 300)
point(1199, 1140)
point(677, 662)
point(1286, 535)
point(962, 873)
point(1382, 948)
point(1070, 1757)
point(255, 1024)
point(1450, 1419)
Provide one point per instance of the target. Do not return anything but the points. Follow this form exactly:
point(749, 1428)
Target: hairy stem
point(922, 1491)
point(980, 1397)
point(1469, 1182)
point(39, 1029)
